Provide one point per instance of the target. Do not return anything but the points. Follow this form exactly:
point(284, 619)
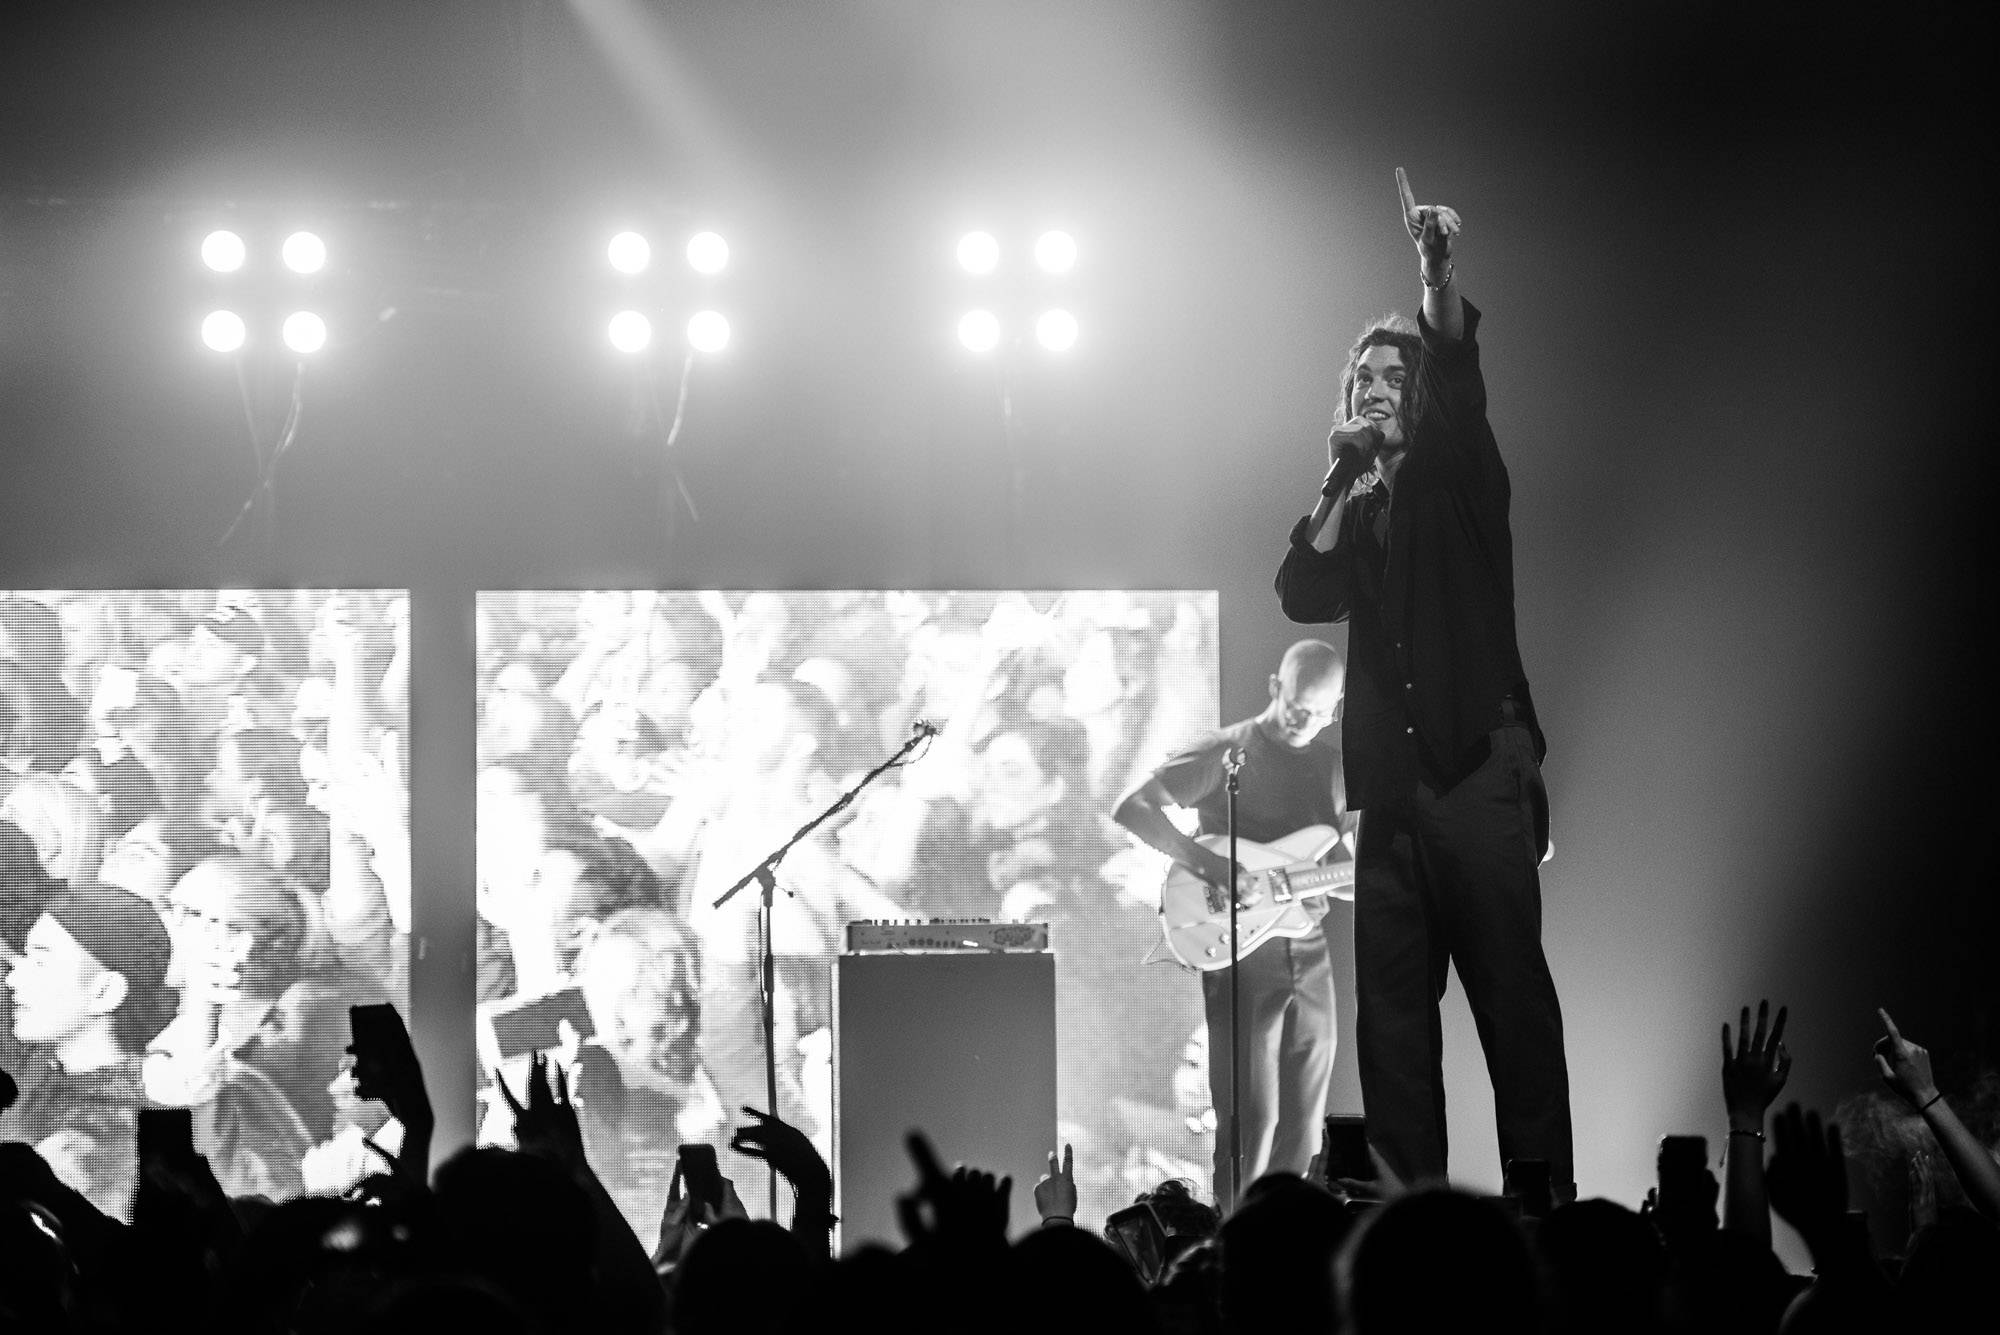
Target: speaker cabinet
point(959, 1046)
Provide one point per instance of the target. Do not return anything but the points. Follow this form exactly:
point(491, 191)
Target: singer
point(1290, 780)
point(1442, 747)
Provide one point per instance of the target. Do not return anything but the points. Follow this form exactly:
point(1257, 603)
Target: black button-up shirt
point(1430, 642)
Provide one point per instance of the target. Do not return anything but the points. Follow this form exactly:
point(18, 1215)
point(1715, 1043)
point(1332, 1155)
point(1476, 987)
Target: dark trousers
point(1287, 1023)
point(1445, 880)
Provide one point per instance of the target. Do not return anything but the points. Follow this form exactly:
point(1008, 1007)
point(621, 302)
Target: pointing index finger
point(1889, 1024)
point(929, 1169)
point(1403, 189)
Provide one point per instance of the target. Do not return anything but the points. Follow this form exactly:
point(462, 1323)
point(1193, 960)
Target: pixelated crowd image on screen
point(204, 861)
point(641, 751)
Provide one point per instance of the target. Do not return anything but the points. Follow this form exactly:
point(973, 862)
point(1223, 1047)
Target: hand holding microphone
point(1351, 447)
point(1350, 450)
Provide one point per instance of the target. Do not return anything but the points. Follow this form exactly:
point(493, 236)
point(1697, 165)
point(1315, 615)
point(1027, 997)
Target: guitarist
point(1290, 778)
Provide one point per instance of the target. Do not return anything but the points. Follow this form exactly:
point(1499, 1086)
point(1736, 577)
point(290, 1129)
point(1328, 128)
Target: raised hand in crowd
point(364, 796)
point(1808, 1176)
point(1754, 1068)
point(964, 1207)
point(1808, 1184)
point(546, 1124)
point(1055, 1193)
point(184, 1228)
point(1682, 1206)
point(1382, 1185)
point(1905, 1068)
point(687, 1216)
point(788, 1150)
point(386, 1068)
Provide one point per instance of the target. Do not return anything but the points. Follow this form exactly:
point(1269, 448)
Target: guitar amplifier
point(958, 1044)
point(881, 936)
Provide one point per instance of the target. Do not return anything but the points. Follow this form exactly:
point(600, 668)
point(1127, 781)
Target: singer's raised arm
point(1434, 227)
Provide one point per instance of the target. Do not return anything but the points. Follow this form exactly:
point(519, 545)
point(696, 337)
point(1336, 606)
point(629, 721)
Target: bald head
point(1305, 693)
point(1311, 663)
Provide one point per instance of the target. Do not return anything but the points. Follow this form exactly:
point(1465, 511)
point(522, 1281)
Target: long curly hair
point(1398, 332)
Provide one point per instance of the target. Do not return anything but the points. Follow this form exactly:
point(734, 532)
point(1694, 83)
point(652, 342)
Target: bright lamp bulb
point(707, 252)
point(1056, 331)
point(978, 252)
point(708, 331)
point(1055, 252)
point(222, 331)
point(979, 331)
point(304, 252)
point(629, 253)
point(630, 332)
point(223, 251)
point(304, 332)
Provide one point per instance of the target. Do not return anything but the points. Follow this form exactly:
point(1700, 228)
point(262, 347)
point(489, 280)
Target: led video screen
point(639, 752)
point(204, 860)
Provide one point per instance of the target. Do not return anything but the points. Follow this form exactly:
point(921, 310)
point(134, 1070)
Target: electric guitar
point(1276, 876)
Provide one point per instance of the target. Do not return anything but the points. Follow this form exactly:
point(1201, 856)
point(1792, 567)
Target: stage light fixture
point(1055, 252)
point(629, 253)
point(979, 331)
point(305, 333)
point(707, 252)
point(304, 252)
point(1056, 330)
point(630, 332)
point(222, 331)
point(223, 251)
point(978, 252)
point(708, 331)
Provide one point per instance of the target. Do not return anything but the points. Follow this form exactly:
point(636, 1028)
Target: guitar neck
point(1307, 882)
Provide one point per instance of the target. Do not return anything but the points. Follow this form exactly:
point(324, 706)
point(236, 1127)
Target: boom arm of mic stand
point(769, 866)
point(765, 874)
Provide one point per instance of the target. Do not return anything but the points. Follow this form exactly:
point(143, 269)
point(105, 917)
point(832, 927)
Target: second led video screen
point(639, 752)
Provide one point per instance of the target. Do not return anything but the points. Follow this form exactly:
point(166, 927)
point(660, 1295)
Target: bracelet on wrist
point(1058, 1219)
point(1441, 284)
point(1745, 1131)
point(1925, 1105)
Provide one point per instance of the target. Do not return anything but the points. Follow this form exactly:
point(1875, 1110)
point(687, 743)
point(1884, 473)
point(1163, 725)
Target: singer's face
point(1378, 393)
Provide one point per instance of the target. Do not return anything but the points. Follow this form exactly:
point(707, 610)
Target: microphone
point(1351, 462)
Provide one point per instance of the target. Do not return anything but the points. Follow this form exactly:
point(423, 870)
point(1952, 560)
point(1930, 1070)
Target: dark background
point(1737, 283)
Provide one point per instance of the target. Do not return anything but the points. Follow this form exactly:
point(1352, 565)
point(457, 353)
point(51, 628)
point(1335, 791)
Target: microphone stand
point(765, 874)
point(1232, 763)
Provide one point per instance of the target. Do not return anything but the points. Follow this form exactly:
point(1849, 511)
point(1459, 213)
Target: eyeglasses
point(1295, 715)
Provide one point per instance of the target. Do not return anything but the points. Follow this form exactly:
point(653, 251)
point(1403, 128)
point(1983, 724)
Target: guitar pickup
point(1281, 885)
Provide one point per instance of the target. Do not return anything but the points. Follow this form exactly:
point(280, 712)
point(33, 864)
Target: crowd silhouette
point(531, 1240)
point(214, 1118)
